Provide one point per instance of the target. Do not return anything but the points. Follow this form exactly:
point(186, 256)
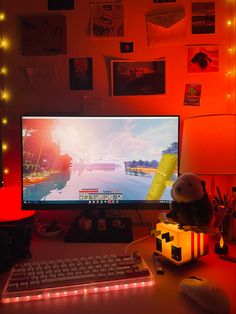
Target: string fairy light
point(230, 73)
point(4, 96)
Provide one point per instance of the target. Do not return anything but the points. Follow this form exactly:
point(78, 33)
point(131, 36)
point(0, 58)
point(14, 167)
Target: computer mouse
point(208, 294)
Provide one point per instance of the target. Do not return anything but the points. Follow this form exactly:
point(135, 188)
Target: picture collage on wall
point(138, 78)
point(166, 25)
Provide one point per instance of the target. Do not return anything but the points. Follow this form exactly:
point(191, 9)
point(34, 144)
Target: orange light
point(4, 146)
point(229, 22)
point(228, 95)
point(2, 16)
point(4, 121)
point(5, 95)
point(221, 242)
point(3, 70)
point(4, 43)
point(6, 171)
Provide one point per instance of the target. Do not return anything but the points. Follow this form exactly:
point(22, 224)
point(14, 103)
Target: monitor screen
point(123, 162)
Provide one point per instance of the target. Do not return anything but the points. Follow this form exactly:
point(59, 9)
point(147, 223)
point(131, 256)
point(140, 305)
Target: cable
point(136, 241)
point(140, 216)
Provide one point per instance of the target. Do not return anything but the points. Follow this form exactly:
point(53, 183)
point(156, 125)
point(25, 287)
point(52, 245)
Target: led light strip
point(74, 291)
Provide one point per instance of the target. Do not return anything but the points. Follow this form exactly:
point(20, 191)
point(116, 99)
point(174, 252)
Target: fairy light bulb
point(229, 22)
point(2, 16)
point(4, 43)
point(6, 171)
point(4, 147)
point(4, 121)
point(3, 70)
point(5, 95)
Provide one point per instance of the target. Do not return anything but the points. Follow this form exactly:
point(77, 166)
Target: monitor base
point(102, 230)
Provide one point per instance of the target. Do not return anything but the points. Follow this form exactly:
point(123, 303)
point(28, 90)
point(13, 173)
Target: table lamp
point(209, 146)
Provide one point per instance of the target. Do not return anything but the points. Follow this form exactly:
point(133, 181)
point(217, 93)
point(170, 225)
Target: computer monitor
point(98, 162)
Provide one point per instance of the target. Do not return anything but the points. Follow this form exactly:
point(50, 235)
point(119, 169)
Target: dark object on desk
point(15, 239)
point(208, 294)
point(48, 229)
point(228, 258)
point(157, 263)
point(221, 248)
point(191, 206)
point(113, 233)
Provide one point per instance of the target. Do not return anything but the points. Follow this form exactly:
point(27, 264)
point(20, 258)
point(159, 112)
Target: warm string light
point(4, 121)
point(3, 70)
point(4, 94)
point(230, 73)
point(2, 16)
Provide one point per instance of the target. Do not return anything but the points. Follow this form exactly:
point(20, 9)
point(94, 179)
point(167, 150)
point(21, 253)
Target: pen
point(157, 263)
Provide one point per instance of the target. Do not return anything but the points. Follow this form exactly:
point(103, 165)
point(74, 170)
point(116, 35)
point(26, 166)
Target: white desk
point(164, 297)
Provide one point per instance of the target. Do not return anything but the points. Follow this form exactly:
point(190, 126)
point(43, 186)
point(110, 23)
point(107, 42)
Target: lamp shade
point(209, 144)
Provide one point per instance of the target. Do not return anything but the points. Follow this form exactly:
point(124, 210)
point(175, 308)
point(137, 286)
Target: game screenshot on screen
point(98, 160)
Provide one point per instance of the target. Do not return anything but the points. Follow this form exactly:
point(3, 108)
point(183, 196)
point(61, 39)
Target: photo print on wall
point(202, 58)
point(192, 94)
point(126, 47)
point(43, 35)
point(166, 26)
point(60, 4)
point(137, 77)
point(81, 73)
point(203, 17)
point(107, 20)
point(163, 1)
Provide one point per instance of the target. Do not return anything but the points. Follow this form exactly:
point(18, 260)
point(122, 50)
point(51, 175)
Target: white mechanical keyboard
point(77, 276)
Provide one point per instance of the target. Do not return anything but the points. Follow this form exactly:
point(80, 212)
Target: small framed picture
point(163, 1)
point(203, 17)
point(192, 94)
point(107, 20)
point(137, 77)
point(60, 4)
point(81, 73)
point(43, 35)
point(126, 47)
point(202, 58)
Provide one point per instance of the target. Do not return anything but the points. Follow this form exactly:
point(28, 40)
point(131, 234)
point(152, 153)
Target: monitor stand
point(90, 227)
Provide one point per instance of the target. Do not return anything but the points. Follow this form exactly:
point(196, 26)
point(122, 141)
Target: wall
point(52, 94)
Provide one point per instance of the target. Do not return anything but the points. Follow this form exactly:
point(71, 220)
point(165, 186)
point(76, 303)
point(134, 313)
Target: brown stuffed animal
point(191, 208)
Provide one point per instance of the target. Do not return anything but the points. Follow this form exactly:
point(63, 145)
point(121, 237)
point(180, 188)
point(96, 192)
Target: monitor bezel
point(132, 205)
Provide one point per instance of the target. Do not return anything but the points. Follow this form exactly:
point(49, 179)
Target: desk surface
point(163, 297)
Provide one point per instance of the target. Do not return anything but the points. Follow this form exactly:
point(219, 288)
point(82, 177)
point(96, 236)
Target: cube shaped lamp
point(179, 246)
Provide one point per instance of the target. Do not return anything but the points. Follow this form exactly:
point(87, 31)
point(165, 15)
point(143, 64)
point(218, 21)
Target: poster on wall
point(81, 73)
point(167, 26)
point(202, 58)
point(192, 94)
point(43, 35)
point(107, 20)
point(60, 4)
point(126, 47)
point(137, 77)
point(163, 1)
point(203, 17)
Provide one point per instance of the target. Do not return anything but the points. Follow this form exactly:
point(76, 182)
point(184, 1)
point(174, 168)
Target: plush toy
point(191, 208)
